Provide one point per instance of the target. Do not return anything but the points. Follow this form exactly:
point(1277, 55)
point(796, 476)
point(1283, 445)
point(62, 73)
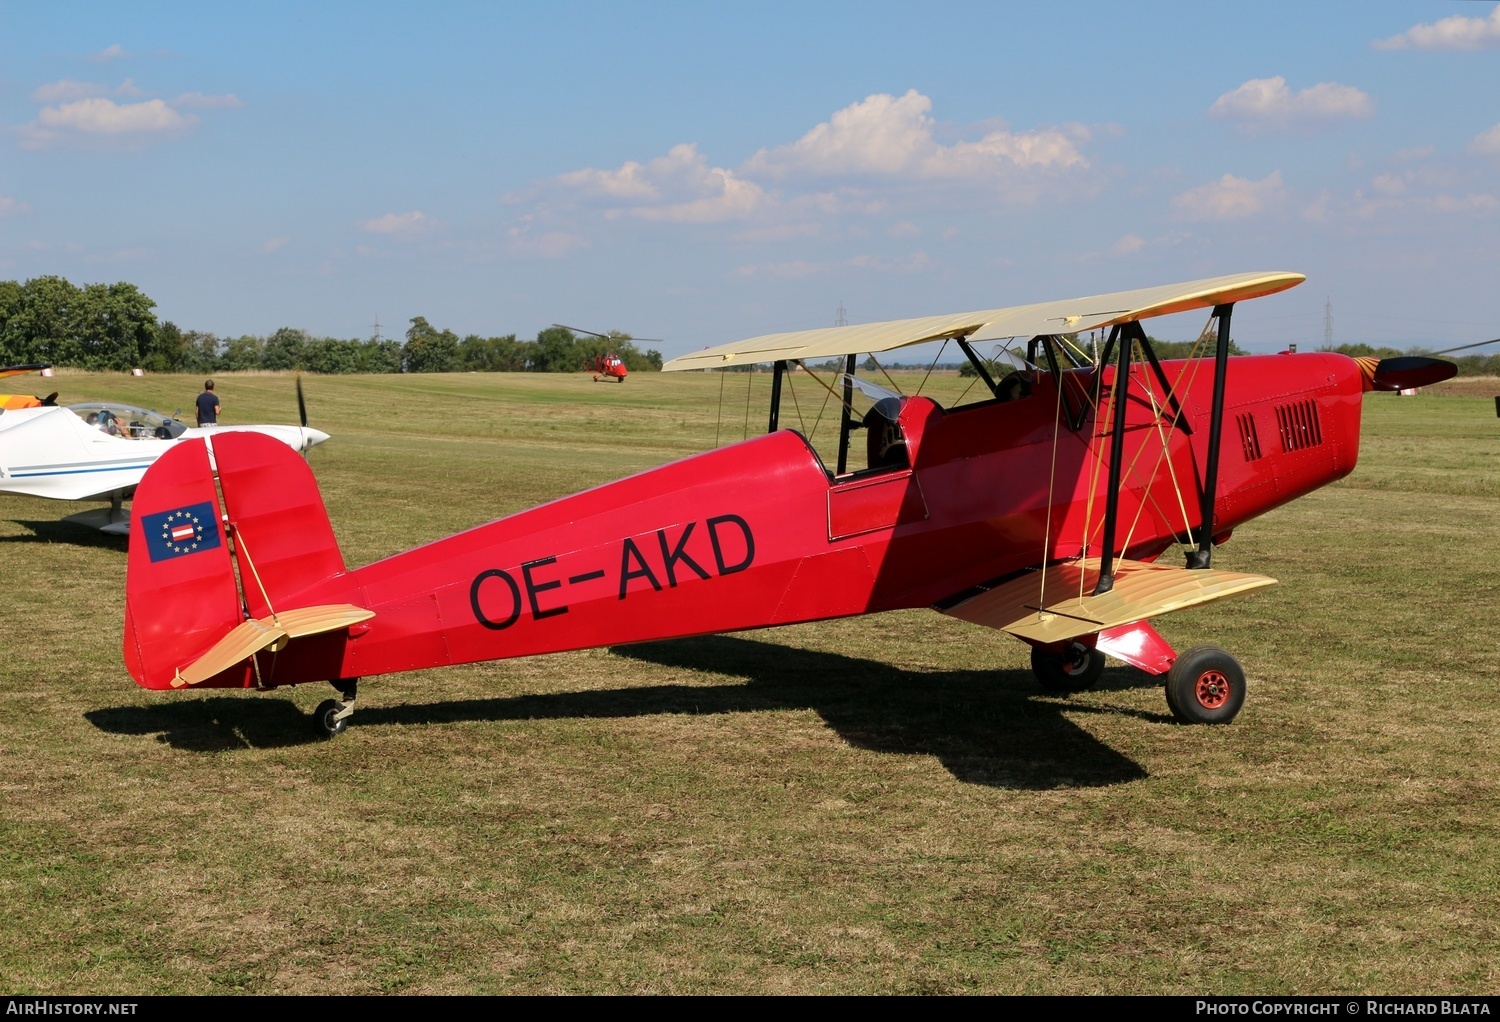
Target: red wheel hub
point(1212, 690)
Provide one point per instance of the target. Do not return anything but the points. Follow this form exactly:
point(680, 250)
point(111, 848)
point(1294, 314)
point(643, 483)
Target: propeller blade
point(302, 414)
point(1405, 372)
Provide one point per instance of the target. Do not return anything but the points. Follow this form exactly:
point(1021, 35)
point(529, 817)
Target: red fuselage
point(759, 534)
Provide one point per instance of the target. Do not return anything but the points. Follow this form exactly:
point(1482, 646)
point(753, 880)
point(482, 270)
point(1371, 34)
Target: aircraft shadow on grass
point(990, 728)
point(65, 532)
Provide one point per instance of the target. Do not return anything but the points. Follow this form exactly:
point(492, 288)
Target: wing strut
point(846, 419)
point(979, 366)
point(1204, 555)
point(1124, 335)
point(776, 394)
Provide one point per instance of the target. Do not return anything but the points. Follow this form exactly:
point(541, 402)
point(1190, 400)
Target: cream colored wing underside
point(1141, 591)
point(250, 637)
point(1062, 317)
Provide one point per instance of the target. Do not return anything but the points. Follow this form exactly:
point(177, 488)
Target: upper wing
point(1063, 317)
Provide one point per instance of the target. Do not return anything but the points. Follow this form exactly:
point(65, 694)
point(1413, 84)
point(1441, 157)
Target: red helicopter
point(605, 365)
point(608, 366)
point(1043, 509)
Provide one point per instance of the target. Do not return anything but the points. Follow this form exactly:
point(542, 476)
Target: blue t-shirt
point(208, 408)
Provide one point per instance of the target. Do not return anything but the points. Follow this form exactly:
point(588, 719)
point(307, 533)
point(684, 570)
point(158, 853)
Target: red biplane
point(1042, 510)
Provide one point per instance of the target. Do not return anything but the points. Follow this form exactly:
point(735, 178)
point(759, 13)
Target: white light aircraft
point(100, 451)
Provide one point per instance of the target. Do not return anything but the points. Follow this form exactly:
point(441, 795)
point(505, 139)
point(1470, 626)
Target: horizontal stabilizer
point(1141, 591)
point(250, 637)
point(316, 620)
point(247, 639)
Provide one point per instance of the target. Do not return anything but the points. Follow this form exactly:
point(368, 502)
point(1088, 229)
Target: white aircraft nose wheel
point(326, 718)
point(1205, 686)
point(1074, 670)
point(332, 715)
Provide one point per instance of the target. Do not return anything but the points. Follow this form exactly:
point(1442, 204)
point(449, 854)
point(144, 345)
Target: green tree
point(43, 326)
point(557, 351)
point(115, 327)
point(284, 349)
point(429, 350)
point(242, 353)
point(198, 353)
point(12, 296)
point(380, 356)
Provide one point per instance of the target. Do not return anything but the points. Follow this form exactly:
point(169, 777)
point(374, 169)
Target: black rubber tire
point(323, 721)
point(1064, 674)
point(1205, 686)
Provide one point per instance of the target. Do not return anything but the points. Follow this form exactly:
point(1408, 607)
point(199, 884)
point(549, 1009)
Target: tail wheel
point(1075, 669)
point(1205, 686)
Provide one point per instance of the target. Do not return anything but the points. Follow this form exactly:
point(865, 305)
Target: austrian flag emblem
point(185, 530)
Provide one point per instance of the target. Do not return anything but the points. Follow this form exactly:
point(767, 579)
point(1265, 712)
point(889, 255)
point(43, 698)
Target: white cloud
point(67, 89)
point(1486, 143)
point(1230, 198)
point(10, 207)
point(100, 119)
point(275, 244)
point(79, 113)
point(678, 187)
point(1471, 204)
point(111, 52)
point(401, 225)
point(200, 101)
point(867, 159)
point(1128, 245)
point(1455, 32)
point(1268, 103)
point(905, 229)
point(886, 136)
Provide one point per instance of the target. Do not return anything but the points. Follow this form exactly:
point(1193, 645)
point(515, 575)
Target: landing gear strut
point(332, 715)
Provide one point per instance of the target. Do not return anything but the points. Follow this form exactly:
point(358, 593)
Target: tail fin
point(182, 599)
point(180, 592)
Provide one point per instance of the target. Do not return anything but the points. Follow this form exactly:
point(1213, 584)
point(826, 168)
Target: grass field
point(876, 805)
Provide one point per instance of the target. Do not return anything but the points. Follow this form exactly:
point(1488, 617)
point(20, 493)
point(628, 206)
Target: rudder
point(283, 539)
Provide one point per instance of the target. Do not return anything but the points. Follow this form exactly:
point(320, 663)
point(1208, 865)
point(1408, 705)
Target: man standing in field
point(208, 405)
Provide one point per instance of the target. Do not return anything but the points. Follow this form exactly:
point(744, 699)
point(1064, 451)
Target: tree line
point(114, 327)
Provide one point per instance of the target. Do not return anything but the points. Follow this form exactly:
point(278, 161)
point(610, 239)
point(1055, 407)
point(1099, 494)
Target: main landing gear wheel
point(1073, 670)
point(332, 715)
point(1205, 686)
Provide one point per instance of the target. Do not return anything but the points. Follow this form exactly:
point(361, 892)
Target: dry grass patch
point(879, 805)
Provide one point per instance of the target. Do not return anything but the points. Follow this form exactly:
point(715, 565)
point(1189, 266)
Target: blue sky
point(703, 172)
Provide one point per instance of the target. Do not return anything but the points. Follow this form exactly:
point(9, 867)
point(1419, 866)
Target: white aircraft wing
point(1068, 316)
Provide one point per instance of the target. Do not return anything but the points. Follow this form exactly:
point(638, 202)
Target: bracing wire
point(1051, 494)
point(749, 379)
point(720, 420)
point(931, 364)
